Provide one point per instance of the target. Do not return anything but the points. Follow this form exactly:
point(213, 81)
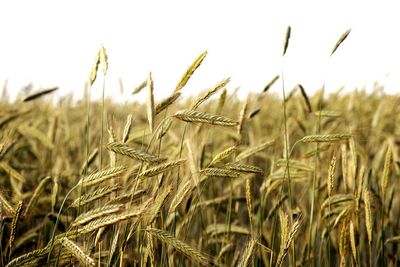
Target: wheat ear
point(180, 246)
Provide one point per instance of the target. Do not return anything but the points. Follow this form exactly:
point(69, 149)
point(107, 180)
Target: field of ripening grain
point(267, 181)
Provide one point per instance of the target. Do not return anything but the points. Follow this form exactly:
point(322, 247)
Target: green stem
point(286, 137)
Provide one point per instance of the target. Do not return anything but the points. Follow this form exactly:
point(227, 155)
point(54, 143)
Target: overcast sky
point(53, 43)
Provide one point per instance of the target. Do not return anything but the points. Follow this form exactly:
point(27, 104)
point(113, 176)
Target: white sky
point(53, 43)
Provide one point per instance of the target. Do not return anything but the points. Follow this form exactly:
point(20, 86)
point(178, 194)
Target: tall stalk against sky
point(286, 139)
point(316, 161)
point(104, 67)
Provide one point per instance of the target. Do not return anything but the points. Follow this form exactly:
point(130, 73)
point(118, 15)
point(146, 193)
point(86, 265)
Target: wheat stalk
point(183, 192)
point(113, 248)
point(286, 40)
point(157, 203)
point(101, 232)
point(340, 41)
point(132, 153)
point(306, 99)
point(97, 194)
point(127, 129)
point(386, 170)
point(161, 168)
point(201, 117)
point(164, 128)
point(325, 138)
point(284, 223)
point(331, 175)
point(193, 163)
point(180, 246)
point(139, 88)
point(210, 92)
point(254, 112)
point(166, 102)
point(352, 236)
point(345, 164)
point(253, 150)
point(150, 102)
point(39, 189)
point(242, 120)
point(89, 161)
point(189, 72)
point(244, 168)
point(27, 257)
point(219, 172)
point(221, 101)
point(101, 176)
point(96, 213)
point(78, 252)
point(287, 235)
point(14, 224)
point(128, 197)
point(223, 155)
point(249, 203)
point(103, 59)
point(247, 253)
point(109, 220)
point(112, 155)
point(93, 72)
point(269, 85)
point(368, 214)
point(39, 94)
point(343, 244)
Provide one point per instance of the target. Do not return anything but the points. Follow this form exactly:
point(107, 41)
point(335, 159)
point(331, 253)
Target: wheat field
point(212, 180)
